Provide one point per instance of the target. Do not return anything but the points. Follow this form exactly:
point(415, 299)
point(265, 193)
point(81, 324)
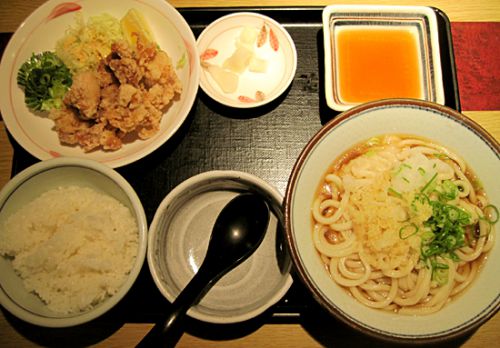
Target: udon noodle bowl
point(402, 223)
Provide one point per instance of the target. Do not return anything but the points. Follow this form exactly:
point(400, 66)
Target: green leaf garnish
point(45, 80)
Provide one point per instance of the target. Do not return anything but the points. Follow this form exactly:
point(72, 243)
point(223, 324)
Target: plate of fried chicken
point(112, 81)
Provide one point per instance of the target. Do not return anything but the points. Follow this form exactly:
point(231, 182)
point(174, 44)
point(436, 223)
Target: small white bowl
point(443, 125)
point(30, 184)
point(222, 35)
point(368, 47)
point(178, 240)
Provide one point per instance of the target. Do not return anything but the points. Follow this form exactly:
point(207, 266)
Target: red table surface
point(477, 57)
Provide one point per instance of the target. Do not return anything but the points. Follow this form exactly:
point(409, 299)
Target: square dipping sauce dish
point(377, 52)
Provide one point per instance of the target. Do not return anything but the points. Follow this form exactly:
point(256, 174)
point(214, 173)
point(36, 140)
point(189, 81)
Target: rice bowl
point(72, 246)
point(87, 262)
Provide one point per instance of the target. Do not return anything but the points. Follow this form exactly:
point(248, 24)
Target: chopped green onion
point(370, 153)
point(494, 220)
point(393, 192)
point(420, 198)
point(427, 237)
point(45, 80)
point(454, 256)
point(401, 167)
point(407, 231)
point(448, 192)
point(444, 231)
point(441, 156)
point(181, 62)
point(428, 184)
point(477, 184)
point(440, 265)
point(439, 272)
point(373, 141)
point(452, 215)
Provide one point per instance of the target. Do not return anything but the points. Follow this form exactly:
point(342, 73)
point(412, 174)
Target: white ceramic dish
point(432, 121)
point(419, 22)
point(222, 35)
point(178, 240)
point(30, 184)
point(34, 132)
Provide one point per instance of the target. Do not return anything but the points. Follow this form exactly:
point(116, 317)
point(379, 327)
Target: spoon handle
point(168, 332)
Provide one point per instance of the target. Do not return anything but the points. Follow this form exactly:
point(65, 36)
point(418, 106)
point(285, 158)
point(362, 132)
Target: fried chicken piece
point(127, 94)
point(67, 124)
point(110, 139)
point(151, 122)
point(121, 106)
point(126, 70)
point(160, 96)
point(105, 75)
point(84, 94)
point(121, 49)
point(145, 52)
point(123, 64)
point(117, 117)
point(160, 70)
point(89, 135)
point(109, 96)
point(161, 81)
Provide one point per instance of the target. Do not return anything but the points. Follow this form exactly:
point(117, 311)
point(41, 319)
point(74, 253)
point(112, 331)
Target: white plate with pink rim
point(264, 76)
point(40, 32)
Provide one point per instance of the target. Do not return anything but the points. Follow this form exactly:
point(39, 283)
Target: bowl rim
point(209, 177)
point(138, 213)
point(299, 266)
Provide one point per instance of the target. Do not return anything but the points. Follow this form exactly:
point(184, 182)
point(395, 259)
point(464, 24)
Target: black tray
point(263, 141)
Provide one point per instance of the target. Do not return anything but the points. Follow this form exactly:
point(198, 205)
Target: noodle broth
point(402, 224)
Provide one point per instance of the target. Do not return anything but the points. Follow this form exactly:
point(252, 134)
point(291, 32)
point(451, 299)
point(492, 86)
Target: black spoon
point(237, 232)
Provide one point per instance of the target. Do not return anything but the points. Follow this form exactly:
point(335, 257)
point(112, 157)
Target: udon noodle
point(402, 223)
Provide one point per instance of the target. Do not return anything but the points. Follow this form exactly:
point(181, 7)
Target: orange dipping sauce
point(375, 63)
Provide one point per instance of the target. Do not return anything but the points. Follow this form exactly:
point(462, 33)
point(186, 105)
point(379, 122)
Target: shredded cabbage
point(85, 44)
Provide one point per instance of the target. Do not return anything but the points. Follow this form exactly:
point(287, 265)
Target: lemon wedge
point(134, 25)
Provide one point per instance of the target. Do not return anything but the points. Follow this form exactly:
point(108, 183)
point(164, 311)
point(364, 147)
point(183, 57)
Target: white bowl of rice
point(73, 237)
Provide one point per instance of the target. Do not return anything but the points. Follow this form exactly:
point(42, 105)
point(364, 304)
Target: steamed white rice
point(72, 246)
